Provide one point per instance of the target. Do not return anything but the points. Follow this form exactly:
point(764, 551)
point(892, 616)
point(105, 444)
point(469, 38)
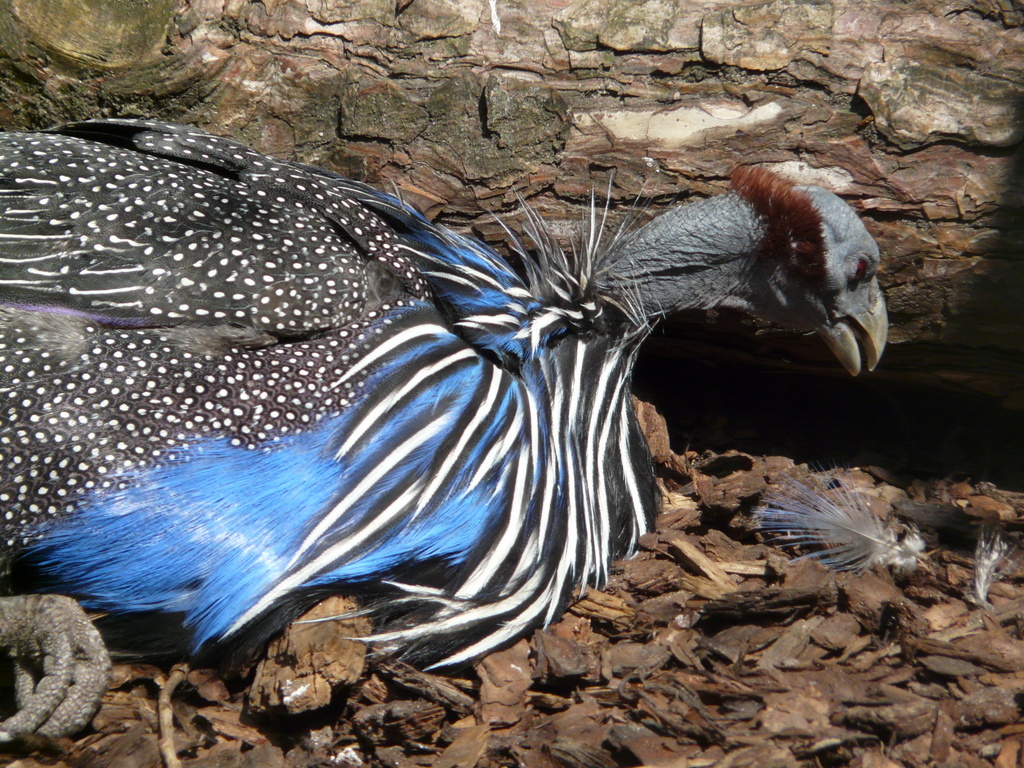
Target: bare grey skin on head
point(192, 284)
point(699, 257)
point(855, 314)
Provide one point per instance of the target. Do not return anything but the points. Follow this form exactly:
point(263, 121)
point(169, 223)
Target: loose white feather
point(994, 557)
point(839, 524)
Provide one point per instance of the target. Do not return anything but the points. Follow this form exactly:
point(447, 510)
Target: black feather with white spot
point(180, 226)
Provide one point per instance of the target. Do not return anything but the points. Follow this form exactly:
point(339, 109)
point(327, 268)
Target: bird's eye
point(861, 270)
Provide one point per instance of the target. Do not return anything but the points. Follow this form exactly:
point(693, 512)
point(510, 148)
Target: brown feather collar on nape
point(792, 225)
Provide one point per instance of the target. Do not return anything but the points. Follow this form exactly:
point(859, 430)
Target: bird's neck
point(595, 444)
point(699, 256)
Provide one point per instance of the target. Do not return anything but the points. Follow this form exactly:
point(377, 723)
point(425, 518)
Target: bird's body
point(428, 466)
point(199, 456)
point(234, 385)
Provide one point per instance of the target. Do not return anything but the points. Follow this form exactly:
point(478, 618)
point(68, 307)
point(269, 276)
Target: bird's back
point(155, 224)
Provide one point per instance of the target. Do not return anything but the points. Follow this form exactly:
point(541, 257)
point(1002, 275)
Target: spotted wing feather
point(152, 233)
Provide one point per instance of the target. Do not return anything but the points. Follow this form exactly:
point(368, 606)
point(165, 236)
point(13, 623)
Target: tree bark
point(913, 111)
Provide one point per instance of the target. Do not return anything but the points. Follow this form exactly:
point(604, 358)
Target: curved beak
point(865, 331)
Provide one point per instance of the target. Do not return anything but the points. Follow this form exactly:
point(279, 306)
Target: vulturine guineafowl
point(233, 385)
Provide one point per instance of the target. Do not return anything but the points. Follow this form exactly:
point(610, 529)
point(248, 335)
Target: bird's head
point(794, 255)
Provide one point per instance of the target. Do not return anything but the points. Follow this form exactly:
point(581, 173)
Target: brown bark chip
point(505, 678)
point(314, 657)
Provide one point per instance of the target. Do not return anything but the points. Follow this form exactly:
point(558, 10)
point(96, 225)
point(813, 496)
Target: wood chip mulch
point(711, 647)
